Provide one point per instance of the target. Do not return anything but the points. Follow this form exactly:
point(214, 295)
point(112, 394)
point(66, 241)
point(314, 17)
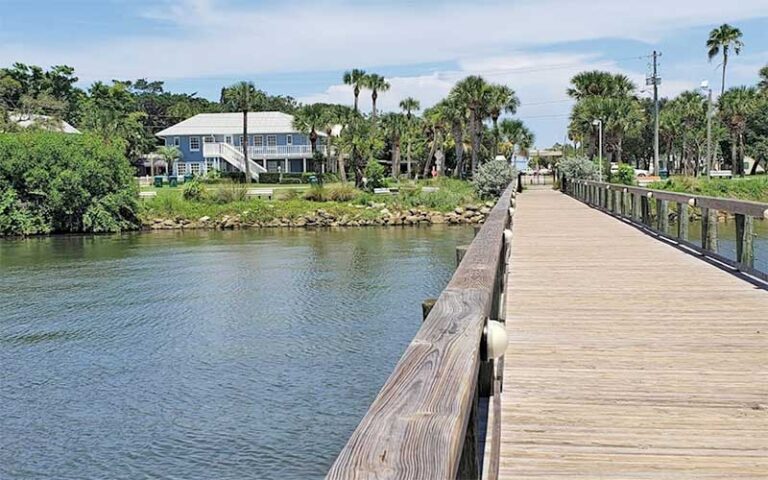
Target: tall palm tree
point(409, 105)
point(456, 116)
point(763, 84)
point(356, 78)
point(724, 38)
point(435, 124)
point(735, 106)
point(473, 93)
point(376, 83)
point(516, 136)
point(242, 97)
point(501, 99)
point(335, 116)
point(170, 154)
point(308, 119)
point(597, 83)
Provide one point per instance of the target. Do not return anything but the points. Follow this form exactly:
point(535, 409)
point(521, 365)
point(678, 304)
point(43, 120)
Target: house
point(43, 122)
point(213, 141)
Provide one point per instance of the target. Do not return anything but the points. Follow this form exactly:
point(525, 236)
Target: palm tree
point(376, 83)
point(395, 125)
point(501, 99)
point(473, 93)
point(763, 84)
point(409, 105)
point(517, 137)
point(435, 125)
point(308, 119)
point(735, 106)
point(170, 154)
point(242, 97)
point(456, 116)
point(724, 38)
point(596, 83)
point(335, 116)
point(356, 78)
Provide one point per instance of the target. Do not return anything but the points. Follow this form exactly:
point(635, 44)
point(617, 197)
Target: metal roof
point(43, 121)
point(232, 124)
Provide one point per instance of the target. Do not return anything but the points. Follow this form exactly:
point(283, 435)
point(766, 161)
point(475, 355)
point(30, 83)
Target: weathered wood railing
point(423, 422)
point(636, 205)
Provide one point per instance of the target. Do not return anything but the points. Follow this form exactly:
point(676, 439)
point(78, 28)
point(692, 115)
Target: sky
point(301, 48)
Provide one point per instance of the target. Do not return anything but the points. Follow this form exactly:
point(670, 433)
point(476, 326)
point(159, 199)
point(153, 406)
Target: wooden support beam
point(745, 231)
point(682, 221)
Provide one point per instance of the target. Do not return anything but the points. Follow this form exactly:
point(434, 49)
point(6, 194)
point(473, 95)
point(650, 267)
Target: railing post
point(682, 221)
point(662, 211)
point(709, 229)
point(645, 206)
point(745, 250)
point(469, 463)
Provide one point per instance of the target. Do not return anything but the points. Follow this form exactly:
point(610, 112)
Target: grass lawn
point(753, 188)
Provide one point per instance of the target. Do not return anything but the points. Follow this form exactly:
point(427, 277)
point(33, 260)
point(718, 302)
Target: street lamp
point(705, 88)
point(599, 125)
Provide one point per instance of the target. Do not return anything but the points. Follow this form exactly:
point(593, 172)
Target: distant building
point(213, 141)
point(43, 122)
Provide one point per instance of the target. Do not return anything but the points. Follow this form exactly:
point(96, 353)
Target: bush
point(193, 190)
point(343, 193)
point(625, 175)
point(576, 168)
point(53, 182)
point(375, 174)
point(316, 194)
point(230, 192)
point(492, 178)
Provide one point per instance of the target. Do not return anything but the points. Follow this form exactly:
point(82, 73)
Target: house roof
point(25, 120)
point(232, 124)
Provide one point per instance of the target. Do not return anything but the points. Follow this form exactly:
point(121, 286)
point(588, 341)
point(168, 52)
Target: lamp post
point(706, 88)
point(599, 124)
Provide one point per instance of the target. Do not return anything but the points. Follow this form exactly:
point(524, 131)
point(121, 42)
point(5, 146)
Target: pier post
point(745, 250)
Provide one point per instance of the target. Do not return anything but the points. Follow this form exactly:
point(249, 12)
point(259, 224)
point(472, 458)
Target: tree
point(357, 79)
point(456, 116)
point(409, 105)
point(308, 119)
point(735, 108)
point(763, 84)
point(336, 116)
point(473, 94)
point(376, 83)
point(596, 83)
point(395, 124)
point(170, 154)
point(516, 137)
point(501, 99)
point(363, 142)
point(435, 125)
point(723, 39)
point(242, 97)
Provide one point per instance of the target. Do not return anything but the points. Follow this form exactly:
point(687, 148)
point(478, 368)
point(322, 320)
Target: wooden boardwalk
point(627, 358)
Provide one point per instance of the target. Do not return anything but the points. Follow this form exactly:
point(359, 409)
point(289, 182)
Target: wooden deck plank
point(627, 358)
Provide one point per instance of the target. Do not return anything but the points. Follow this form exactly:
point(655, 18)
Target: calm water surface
point(215, 355)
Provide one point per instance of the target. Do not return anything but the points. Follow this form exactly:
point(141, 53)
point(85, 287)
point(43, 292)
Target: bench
point(259, 192)
point(721, 174)
point(143, 195)
point(430, 189)
point(382, 191)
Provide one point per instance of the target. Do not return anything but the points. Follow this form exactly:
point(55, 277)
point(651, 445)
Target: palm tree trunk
point(341, 167)
point(458, 138)
point(313, 140)
point(475, 141)
point(734, 153)
point(357, 95)
point(494, 151)
point(408, 158)
point(396, 159)
point(432, 149)
point(374, 95)
point(725, 63)
point(245, 147)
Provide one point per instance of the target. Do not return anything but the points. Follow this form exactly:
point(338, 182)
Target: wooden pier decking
point(627, 357)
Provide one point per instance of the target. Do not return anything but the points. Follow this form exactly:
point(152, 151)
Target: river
point(203, 355)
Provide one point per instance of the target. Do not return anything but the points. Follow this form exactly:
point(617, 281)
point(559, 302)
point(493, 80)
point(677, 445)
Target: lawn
point(753, 188)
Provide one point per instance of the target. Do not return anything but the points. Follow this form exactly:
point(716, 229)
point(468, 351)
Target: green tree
point(473, 94)
point(763, 84)
point(395, 124)
point(336, 117)
point(409, 105)
point(501, 99)
point(735, 108)
point(357, 79)
point(375, 83)
point(308, 119)
point(242, 97)
point(516, 137)
point(724, 39)
point(597, 83)
point(170, 154)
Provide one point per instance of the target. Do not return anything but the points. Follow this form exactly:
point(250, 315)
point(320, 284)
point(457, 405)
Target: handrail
point(422, 424)
point(633, 204)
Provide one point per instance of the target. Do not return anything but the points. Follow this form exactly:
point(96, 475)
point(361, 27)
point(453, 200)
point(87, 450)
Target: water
point(211, 355)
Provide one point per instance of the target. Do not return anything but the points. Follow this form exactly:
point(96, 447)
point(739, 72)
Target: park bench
point(382, 191)
point(259, 192)
point(430, 189)
point(721, 174)
point(144, 195)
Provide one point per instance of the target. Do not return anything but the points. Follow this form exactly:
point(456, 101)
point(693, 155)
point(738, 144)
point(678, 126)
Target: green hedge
point(55, 182)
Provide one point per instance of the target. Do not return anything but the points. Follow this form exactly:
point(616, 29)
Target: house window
point(208, 139)
point(181, 168)
point(271, 140)
point(289, 139)
point(258, 140)
point(228, 139)
point(194, 168)
point(210, 164)
point(194, 144)
point(176, 142)
point(240, 140)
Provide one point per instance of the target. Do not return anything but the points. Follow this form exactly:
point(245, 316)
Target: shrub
point(53, 182)
point(193, 190)
point(492, 178)
point(230, 192)
point(316, 194)
point(343, 193)
point(625, 175)
point(375, 174)
point(292, 194)
point(578, 168)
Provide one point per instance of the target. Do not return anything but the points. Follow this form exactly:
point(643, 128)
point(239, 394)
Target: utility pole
point(705, 86)
point(655, 80)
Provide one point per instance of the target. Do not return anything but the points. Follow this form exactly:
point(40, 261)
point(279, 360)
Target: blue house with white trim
point(213, 141)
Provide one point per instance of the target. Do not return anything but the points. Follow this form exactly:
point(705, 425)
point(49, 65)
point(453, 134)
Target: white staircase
point(233, 156)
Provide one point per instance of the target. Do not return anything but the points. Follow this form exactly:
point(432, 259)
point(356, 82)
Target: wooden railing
point(423, 424)
point(651, 209)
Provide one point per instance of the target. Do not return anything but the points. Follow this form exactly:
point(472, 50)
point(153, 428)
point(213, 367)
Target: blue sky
point(301, 47)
